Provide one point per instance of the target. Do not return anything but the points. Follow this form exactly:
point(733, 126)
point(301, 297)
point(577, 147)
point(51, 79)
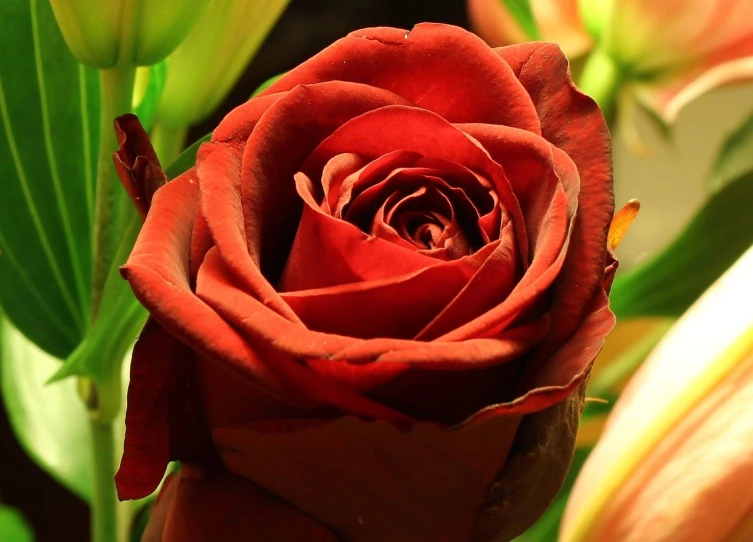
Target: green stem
point(601, 79)
point(110, 520)
point(168, 142)
point(116, 89)
point(104, 520)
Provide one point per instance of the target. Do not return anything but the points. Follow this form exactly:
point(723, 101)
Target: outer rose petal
point(573, 122)
point(228, 509)
point(441, 68)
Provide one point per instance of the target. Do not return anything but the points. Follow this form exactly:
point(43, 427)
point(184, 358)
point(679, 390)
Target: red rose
point(380, 291)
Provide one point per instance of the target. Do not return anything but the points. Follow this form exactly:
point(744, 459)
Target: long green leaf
point(118, 322)
point(49, 110)
point(13, 526)
point(50, 422)
point(735, 158)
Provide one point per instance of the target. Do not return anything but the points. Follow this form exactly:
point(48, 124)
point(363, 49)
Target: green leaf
point(50, 422)
point(187, 159)
point(671, 281)
point(148, 92)
point(49, 115)
point(13, 526)
point(114, 331)
point(521, 12)
point(736, 157)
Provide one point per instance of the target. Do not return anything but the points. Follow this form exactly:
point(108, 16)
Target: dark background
point(306, 27)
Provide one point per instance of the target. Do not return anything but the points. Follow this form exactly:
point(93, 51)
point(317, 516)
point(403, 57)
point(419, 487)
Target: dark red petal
point(219, 171)
point(546, 183)
point(156, 387)
point(535, 169)
point(158, 271)
point(136, 162)
point(568, 366)
point(241, 121)
point(427, 134)
point(442, 68)
point(492, 285)
point(279, 144)
point(573, 122)
point(397, 307)
point(329, 252)
point(373, 481)
point(539, 460)
point(222, 290)
point(229, 509)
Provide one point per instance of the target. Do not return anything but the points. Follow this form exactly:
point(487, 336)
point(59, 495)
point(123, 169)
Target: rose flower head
point(375, 299)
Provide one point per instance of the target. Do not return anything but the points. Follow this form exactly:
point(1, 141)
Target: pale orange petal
point(491, 20)
point(559, 22)
point(688, 479)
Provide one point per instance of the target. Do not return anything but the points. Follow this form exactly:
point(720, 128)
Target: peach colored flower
point(676, 50)
point(557, 21)
point(676, 458)
point(669, 51)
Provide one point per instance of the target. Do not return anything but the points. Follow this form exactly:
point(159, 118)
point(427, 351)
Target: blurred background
point(668, 180)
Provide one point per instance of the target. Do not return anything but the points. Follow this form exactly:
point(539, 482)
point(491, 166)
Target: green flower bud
point(108, 33)
point(206, 65)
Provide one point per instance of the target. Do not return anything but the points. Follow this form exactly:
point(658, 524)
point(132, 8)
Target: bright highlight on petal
point(676, 457)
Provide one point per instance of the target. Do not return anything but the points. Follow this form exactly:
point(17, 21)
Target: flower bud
point(104, 34)
point(206, 65)
point(676, 458)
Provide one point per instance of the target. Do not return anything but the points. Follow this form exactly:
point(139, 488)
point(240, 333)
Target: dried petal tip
point(136, 162)
point(621, 223)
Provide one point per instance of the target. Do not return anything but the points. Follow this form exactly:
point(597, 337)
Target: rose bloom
point(375, 300)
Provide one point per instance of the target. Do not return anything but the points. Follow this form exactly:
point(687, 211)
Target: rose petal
point(372, 481)
point(286, 134)
point(441, 68)
point(219, 172)
point(396, 307)
point(163, 287)
point(212, 285)
point(424, 133)
point(572, 122)
point(329, 252)
point(156, 395)
point(230, 509)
